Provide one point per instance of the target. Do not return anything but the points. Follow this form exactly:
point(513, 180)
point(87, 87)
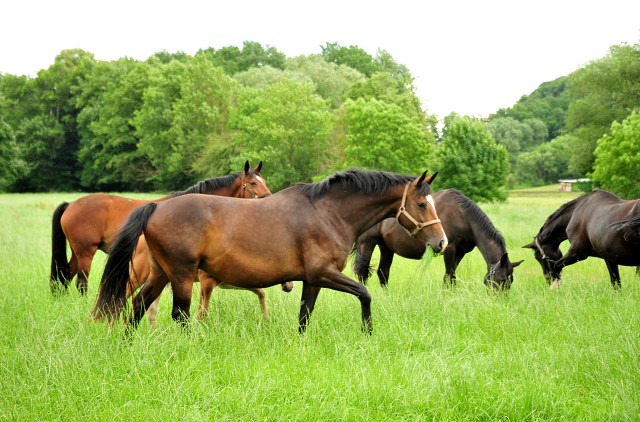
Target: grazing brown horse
point(303, 233)
point(91, 222)
point(466, 227)
point(597, 224)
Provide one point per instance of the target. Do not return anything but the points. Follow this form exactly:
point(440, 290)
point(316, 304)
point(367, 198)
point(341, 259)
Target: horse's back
point(96, 218)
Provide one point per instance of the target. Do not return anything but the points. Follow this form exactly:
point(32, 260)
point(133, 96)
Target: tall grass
point(436, 353)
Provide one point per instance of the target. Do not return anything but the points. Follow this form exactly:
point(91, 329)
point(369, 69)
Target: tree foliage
point(469, 160)
point(285, 125)
point(617, 159)
point(380, 136)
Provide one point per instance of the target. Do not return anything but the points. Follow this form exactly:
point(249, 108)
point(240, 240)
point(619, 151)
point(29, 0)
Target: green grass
point(435, 354)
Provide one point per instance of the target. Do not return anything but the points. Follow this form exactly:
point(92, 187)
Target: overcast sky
point(471, 57)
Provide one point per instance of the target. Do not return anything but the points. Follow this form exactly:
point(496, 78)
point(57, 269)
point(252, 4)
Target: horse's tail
point(60, 273)
point(113, 285)
point(631, 226)
point(361, 263)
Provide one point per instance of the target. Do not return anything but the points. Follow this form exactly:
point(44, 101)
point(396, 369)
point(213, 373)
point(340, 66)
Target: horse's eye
point(422, 205)
point(254, 184)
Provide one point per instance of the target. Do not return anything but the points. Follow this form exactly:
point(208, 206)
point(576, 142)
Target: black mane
point(474, 212)
point(210, 184)
point(564, 207)
point(367, 182)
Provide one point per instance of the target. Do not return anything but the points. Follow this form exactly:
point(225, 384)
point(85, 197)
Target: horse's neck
point(491, 249)
point(360, 212)
point(555, 231)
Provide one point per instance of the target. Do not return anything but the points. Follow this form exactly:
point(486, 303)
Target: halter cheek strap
point(403, 211)
point(253, 195)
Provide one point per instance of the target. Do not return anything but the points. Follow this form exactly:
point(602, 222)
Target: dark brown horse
point(597, 224)
point(303, 233)
point(466, 227)
point(91, 222)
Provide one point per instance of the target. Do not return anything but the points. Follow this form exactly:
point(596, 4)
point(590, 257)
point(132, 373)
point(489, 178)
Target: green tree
point(108, 152)
point(605, 90)
point(517, 136)
point(286, 125)
point(380, 136)
point(469, 160)
point(11, 165)
point(48, 134)
point(545, 164)
point(617, 162)
point(352, 56)
point(233, 59)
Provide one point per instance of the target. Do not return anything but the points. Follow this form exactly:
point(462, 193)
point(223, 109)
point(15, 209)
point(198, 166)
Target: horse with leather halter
point(597, 224)
point(304, 232)
point(466, 227)
point(91, 222)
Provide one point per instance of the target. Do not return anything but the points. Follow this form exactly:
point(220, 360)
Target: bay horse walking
point(597, 224)
point(466, 227)
point(304, 232)
point(91, 222)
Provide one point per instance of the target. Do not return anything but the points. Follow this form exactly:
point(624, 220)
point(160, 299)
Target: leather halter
point(419, 225)
point(253, 195)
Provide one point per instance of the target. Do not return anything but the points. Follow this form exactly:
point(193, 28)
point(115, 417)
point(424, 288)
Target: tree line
point(173, 119)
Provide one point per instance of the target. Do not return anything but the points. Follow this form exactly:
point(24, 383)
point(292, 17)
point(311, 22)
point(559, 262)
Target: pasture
point(435, 353)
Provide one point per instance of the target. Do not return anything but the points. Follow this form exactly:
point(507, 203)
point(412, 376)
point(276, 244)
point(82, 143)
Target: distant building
point(565, 184)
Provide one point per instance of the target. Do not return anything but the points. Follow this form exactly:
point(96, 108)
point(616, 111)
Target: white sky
point(471, 57)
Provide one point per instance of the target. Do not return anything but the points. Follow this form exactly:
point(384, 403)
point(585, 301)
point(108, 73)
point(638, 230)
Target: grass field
point(435, 353)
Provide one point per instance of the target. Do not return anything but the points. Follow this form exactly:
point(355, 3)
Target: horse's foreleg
point(384, 267)
point(573, 255)
point(307, 303)
point(207, 284)
point(614, 274)
point(335, 280)
point(450, 265)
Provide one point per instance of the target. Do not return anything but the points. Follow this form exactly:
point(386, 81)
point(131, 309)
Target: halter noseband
point(419, 225)
point(253, 195)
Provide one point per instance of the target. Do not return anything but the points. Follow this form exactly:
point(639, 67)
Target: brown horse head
point(500, 274)
point(418, 215)
point(253, 185)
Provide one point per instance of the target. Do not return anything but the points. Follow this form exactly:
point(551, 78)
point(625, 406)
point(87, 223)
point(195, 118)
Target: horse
point(140, 272)
point(92, 221)
point(466, 227)
point(304, 232)
point(597, 224)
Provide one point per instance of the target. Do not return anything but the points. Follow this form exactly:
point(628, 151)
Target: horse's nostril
point(443, 245)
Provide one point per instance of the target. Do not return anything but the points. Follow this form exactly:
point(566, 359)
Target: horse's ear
point(258, 167)
point(246, 167)
point(530, 245)
point(420, 179)
point(504, 259)
point(430, 179)
point(515, 264)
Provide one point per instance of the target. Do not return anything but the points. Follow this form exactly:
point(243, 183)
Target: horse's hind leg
point(207, 284)
point(614, 274)
point(149, 293)
point(83, 267)
point(182, 286)
point(152, 312)
point(263, 303)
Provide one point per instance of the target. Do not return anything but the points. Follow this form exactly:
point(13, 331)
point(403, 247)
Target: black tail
point(361, 263)
point(631, 227)
point(60, 275)
point(113, 285)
